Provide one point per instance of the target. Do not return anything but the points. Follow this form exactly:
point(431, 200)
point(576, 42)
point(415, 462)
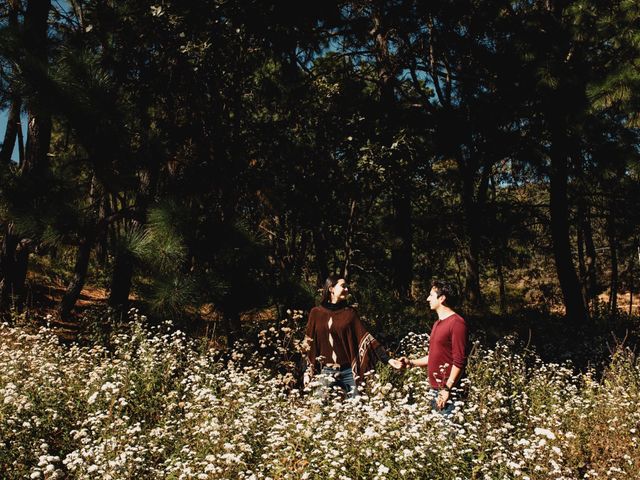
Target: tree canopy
point(234, 153)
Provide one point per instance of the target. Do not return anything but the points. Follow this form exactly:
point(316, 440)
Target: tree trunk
point(13, 119)
point(125, 262)
point(569, 284)
point(232, 325)
point(613, 249)
point(631, 283)
point(472, 292)
point(39, 129)
point(501, 284)
point(20, 273)
point(590, 258)
point(401, 251)
point(102, 242)
point(79, 277)
point(582, 269)
point(7, 266)
point(402, 234)
point(121, 281)
point(20, 145)
point(320, 244)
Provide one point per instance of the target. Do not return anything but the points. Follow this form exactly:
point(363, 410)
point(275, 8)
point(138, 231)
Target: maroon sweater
point(447, 347)
point(338, 337)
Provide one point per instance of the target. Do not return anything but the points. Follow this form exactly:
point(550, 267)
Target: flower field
point(151, 403)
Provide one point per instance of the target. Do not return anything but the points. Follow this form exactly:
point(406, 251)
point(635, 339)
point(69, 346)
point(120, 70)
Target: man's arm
point(444, 394)
point(414, 362)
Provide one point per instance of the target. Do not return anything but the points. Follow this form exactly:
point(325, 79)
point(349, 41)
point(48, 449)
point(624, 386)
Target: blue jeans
point(449, 406)
point(339, 378)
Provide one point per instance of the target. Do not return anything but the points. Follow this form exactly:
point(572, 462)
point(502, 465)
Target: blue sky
point(65, 6)
point(3, 127)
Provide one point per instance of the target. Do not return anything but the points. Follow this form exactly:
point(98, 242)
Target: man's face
point(434, 300)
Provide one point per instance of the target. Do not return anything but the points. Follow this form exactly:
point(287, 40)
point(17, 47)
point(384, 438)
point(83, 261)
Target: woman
point(340, 348)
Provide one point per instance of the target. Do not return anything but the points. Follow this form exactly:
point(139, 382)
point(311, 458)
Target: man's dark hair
point(447, 289)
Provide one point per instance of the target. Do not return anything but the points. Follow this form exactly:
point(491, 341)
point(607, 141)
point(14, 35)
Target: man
point(447, 355)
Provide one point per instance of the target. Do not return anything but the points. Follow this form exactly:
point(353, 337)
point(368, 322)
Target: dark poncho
point(338, 338)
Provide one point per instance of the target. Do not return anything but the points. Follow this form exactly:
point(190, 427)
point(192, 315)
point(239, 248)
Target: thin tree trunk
point(631, 283)
point(102, 244)
point(472, 292)
point(582, 269)
point(232, 325)
point(348, 240)
point(121, 281)
point(401, 251)
point(502, 241)
point(7, 266)
point(569, 284)
point(78, 279)
point(125, 262)
point(590, 258)
point(502, 290)
point(83, 255)
point(20, 145)
point(613, 249)
point(21, 267)
point(320, 244)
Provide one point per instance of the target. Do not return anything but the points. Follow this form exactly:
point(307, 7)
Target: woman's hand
point(397, 364)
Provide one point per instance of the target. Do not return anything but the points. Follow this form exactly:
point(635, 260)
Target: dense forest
point(231, 154)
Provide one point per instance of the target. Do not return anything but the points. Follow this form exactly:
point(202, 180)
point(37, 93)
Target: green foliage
point(162, 244)
point(239, 163)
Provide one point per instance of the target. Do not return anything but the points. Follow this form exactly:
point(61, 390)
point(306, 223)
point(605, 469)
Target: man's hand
point(443, 396)
point(406, 363)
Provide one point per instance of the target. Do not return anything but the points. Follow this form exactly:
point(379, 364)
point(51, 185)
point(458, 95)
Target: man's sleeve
point(459, 343)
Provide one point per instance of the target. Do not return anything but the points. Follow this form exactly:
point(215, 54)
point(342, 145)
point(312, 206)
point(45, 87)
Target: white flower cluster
point(157, 405)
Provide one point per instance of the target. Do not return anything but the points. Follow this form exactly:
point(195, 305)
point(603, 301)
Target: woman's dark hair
point(448, 290)
point(329, 283)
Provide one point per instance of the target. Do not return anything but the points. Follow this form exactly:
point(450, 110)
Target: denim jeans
point(339, 378)
point(449, 406)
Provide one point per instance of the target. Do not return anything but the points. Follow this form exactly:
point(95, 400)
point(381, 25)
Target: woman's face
point(339, 291)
